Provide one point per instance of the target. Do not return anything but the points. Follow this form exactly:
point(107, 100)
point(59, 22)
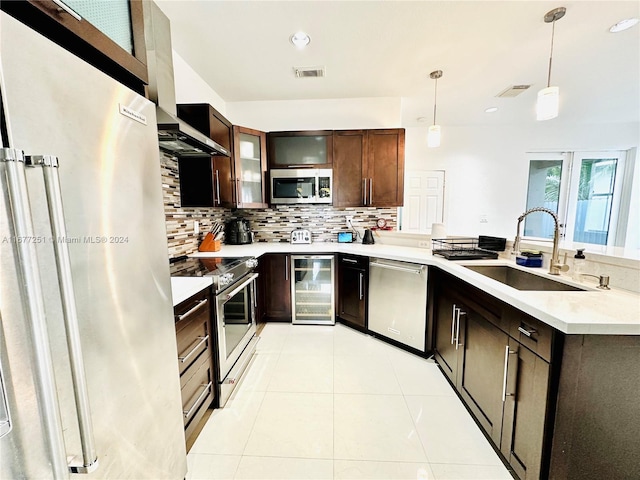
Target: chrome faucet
point(555, 267)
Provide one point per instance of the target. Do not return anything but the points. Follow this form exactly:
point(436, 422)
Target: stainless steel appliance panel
point(111, 193)
point(398, 301)
point(236, 327)
point(303, 185)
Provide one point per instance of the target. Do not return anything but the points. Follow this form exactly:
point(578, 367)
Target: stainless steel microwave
point(301, 185)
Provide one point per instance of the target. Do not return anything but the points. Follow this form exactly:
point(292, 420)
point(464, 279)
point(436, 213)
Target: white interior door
point(423, 200)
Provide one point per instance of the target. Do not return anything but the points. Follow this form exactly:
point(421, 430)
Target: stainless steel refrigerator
point(88, 355)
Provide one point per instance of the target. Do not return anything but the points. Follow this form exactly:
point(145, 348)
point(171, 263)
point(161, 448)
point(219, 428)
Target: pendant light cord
point(553, 31)
point(435, 100)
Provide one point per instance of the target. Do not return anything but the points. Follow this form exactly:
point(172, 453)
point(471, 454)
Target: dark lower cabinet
point(526, 390)
point(504, 384)
point(480, 378)
point(196, 354)
point(561, 407)
point(275, 288)
point(353, 280)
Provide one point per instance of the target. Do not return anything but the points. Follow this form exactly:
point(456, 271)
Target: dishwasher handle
point(415, 270)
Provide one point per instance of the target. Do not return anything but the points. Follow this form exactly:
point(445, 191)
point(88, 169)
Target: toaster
point(300, 236)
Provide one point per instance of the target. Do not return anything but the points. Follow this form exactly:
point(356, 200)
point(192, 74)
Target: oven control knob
point(252, 263)
point(225, 279)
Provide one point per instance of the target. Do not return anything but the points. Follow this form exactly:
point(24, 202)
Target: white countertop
point(184, 287)
point(603, 312)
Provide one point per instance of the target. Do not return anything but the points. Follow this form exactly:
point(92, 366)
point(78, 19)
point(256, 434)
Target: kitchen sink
point(521, 280)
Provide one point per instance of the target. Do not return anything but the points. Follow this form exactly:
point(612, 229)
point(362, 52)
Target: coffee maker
point(237, 232)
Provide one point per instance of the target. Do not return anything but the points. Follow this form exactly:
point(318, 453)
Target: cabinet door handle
point(218, 185)
point(361, 286)
point(201, 341)
point(349, 260)
point(507, 352)
point(453, 322)
point(364, 192)
point(460, 312)
point(371, 191)
point(286, 267)
point(201, 397)
point(62, 7)
point(527, 332)
point(199, 304)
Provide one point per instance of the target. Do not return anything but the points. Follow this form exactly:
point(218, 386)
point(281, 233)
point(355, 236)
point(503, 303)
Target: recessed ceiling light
point(623, 25)
point(300, 39)
point(491, 110)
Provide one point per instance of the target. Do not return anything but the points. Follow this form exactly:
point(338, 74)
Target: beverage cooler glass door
point(236, 325)
point(312, 289)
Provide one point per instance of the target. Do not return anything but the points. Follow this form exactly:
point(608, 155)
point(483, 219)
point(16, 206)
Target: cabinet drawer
point(197, 387)
point(192, 329)
point(532, 333)
point(356, 261)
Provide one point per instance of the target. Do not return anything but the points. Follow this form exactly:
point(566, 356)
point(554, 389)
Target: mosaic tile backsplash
point(270, 224)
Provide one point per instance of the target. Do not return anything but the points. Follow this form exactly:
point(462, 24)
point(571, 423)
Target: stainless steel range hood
point(174, 135)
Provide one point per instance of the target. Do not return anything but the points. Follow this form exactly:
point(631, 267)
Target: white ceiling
point(388, 48)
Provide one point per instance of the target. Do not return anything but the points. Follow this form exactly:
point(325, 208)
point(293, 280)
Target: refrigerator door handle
point(31, 286)
point(5, 417)
point(49, 166)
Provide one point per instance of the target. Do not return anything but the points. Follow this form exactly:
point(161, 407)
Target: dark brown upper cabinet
point(75, 33)
point(313, 148)
point(208, 121)
point(368, 168)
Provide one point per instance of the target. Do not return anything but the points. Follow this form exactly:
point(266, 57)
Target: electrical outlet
point(423, 244)
point(349, 220)
point(196, 227)
point(484, 219)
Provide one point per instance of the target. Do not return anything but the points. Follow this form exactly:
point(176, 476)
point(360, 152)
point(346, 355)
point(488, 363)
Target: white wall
point(487, 167)
point(330, 114)
point(191, 88)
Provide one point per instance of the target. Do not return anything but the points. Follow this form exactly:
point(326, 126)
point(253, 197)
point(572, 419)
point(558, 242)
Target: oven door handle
point(249, 279)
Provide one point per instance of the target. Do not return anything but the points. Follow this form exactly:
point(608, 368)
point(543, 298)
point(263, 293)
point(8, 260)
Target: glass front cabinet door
point(250, 155)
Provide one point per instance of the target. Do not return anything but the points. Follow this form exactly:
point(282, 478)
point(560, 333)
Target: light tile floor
point(322, 402)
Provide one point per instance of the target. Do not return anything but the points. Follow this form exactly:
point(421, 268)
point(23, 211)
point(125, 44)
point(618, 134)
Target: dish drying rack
point(465, 248)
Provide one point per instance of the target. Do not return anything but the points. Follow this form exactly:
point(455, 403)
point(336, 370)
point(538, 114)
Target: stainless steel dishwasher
point(398, 301)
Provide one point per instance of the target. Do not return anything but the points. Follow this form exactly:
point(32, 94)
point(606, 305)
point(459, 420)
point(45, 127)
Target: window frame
point(569, 188)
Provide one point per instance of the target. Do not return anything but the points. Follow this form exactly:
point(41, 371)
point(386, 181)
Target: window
point(584, 189)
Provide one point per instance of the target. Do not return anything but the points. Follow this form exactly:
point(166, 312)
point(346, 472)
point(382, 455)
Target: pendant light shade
point(433, 135)
point(548, 103)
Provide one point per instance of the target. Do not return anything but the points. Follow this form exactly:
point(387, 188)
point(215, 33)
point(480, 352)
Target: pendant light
point(433, 135)
point(549, 97)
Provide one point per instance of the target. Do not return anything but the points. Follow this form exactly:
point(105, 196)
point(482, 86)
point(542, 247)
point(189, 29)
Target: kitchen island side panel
point(598, 411)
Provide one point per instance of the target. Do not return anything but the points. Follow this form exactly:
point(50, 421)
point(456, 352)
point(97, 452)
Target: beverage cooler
point(312, 289)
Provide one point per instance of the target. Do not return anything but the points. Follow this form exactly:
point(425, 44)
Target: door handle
point(371, 191)
point(187, 413)
point(507, 352)
point(453, 322)
point(286, 267)
point(197, 306)
point(49, 165)
point(12, 165)
point(364, 191)
point(460, 312)
point(218, 186)
point(200, 341)
point(360, 286)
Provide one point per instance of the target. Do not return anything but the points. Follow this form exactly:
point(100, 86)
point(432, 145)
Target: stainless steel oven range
point(234, 286)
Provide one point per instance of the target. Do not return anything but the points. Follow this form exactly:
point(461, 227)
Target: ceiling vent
point(309, 72)
point(513, 91)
